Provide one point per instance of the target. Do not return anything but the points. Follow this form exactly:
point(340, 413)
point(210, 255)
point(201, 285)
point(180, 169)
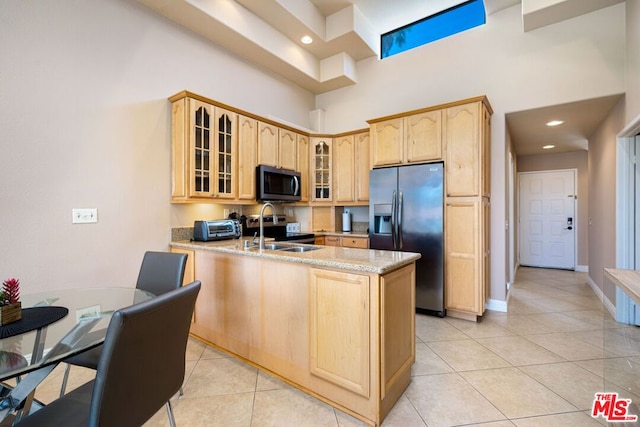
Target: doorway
point(547, 219)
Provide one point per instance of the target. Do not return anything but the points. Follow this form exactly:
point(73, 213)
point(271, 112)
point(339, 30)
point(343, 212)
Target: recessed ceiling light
point(548, 147)
point(555, 123)
point(306, 40)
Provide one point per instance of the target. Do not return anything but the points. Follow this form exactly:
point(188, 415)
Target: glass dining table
point(55, 324)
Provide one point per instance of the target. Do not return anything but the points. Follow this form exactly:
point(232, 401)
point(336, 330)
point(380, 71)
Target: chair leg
point(172, 421)
point(65, 377)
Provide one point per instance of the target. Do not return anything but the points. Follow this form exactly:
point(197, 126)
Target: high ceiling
point(268, 33)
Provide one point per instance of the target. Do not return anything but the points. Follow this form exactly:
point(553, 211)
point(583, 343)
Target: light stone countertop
point(363, 260)
point(342, 233)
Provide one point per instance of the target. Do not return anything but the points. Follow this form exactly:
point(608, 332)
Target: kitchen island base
point(345, 337)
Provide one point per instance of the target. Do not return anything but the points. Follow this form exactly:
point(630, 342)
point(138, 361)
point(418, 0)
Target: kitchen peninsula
point(335, 322)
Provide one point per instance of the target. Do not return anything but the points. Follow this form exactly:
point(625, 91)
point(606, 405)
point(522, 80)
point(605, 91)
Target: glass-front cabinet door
point(226, 154)
point(321, 164)
point(213, 151)
point(201, 163)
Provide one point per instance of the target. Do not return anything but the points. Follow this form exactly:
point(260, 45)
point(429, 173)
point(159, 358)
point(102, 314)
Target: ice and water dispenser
point(382, 218)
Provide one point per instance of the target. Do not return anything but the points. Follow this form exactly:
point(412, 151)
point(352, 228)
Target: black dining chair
point(141, 367)
point(160, 272)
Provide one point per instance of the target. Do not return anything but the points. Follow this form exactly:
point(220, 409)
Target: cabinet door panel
point(397, 348)
point(344, 168)
point(247, 156)
point(463, 150)
point(287, 152)
point(303, 167)
point(386, 147)
point(267, 145)
point(201, 149)
point(339, 329)
point(424, 136)
point(226, 157)
point(363, 166)
point(462, 258)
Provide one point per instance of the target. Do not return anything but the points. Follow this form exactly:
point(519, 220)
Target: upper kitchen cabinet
point(344, 162)
point(321, 184)
point(287, 149)
point(303, 166)
point(351, 168)
point(247, 157)
point(363, 165)
point(414, 138)
point(276, 146)
point(388, 142)
point(204, 150)
point(467, 130)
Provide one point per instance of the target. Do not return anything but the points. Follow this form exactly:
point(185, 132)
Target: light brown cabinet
point(344, 170)
point(345, 337)
point(363, 166)
point(287, 149)
point(346, 241)
point(415, 138)
point(467, 155)
point(247, 157)
point(339, 329)
point(204, 151)
point(354, 242)
point(467, 208)
point(277, 147)
point(321, 159)
point(303, 166)
point(351, 168)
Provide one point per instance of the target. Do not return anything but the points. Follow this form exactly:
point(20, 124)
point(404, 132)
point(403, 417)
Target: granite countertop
point(628, 280)
point(354, 259)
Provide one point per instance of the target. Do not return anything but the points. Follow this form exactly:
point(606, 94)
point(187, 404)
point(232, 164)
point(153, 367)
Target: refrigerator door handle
point(393, 220)
point(400, 220)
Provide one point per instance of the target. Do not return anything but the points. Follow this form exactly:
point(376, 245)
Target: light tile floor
point(537, 365)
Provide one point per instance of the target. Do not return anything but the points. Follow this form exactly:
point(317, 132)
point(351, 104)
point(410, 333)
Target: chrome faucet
point(275, 221)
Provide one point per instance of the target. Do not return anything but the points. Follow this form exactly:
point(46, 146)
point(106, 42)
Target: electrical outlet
point(84, 216)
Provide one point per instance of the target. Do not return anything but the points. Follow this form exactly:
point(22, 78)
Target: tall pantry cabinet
point(467, 136)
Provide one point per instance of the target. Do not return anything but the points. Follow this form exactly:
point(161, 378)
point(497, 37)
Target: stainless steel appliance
point(277, 231)
point(217, 229)
point(406, 214)
point(277, 185)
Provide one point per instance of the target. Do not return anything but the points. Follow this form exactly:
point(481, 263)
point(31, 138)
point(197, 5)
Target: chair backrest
point(143, 359)
point(161, 272)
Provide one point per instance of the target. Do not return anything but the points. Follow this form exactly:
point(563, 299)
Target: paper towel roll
point(346, 221)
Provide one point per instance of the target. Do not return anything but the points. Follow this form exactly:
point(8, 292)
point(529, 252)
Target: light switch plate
point(84, 216)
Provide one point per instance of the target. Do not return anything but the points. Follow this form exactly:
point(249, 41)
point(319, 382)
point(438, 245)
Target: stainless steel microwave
point(277, 185)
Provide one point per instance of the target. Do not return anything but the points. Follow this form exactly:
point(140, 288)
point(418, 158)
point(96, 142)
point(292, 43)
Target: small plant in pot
point(10, 305)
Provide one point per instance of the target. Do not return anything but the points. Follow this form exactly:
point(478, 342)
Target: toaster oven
point(217, 229)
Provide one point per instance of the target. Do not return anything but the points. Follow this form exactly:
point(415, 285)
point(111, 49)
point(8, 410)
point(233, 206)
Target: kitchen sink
point(285, 247)
point(299, 249)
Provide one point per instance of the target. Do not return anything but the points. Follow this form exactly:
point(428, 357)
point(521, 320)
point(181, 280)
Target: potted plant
point(10, 305)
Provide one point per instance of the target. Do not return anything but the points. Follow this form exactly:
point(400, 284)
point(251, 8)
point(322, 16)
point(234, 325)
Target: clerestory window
point(451, 21)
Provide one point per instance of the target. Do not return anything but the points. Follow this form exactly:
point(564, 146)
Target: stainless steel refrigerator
point(406, 214)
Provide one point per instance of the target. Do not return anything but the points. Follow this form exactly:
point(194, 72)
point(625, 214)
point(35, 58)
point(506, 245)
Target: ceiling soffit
point(268, 32)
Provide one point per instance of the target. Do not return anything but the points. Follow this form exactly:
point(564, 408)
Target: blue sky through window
point(448, 22)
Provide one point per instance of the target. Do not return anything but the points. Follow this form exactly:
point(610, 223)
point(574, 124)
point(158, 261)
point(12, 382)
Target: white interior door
point(548, 219)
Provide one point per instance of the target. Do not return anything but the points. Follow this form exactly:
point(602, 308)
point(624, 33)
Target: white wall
point(632, 109)
point(573, 60)
point(85, 122)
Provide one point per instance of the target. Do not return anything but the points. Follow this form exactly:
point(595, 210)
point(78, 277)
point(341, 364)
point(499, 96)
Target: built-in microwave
point(277, 185)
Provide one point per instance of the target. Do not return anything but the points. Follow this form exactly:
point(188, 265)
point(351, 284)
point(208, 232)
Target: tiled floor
point(538, 365)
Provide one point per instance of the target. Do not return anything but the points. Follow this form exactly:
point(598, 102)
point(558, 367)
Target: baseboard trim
point(582, 268)
point(497, 305)
point(611, 308)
